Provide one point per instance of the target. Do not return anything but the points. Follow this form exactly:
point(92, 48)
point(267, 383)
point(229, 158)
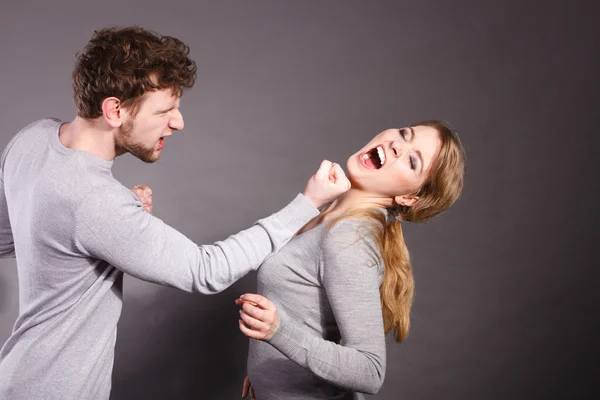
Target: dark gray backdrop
point(505, 301)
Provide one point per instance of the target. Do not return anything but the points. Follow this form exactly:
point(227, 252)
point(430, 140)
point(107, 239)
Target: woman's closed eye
point(412, 162)
point(403, 133)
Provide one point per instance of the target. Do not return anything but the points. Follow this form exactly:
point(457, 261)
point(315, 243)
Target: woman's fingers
point(259, 316)
point(249, 332)
point(253, 323)
point(259, 300)
point(245, 386)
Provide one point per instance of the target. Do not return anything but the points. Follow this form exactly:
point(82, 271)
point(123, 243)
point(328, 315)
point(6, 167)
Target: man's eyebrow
point(162, 110)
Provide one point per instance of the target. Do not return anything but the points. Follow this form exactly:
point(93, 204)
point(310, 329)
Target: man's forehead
point(164, 96)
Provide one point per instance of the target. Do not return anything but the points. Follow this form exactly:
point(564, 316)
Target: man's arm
point(7, 246)
point(112, 226)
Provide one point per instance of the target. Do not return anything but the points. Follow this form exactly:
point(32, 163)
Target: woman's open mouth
point(374, 158)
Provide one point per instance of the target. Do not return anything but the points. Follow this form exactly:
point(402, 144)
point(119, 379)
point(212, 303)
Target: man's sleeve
point(111, 225)
point(7, 245)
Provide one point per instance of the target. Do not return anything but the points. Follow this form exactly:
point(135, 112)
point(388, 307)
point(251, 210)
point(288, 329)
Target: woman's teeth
point(380, 155)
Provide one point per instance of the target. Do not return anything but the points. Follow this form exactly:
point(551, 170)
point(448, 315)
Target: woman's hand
point(247, 388)
point(259, 317)
point(144, 193)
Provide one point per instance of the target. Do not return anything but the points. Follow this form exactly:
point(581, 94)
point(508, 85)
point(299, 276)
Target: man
point(75, 230)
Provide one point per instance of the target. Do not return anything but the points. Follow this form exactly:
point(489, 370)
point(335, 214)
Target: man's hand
point(259, 316)
point(144, 193)
point(326, 184)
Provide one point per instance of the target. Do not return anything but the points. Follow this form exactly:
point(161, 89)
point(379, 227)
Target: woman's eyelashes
point(411, 159)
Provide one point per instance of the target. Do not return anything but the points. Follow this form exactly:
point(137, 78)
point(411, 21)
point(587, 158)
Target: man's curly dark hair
point(126, 63)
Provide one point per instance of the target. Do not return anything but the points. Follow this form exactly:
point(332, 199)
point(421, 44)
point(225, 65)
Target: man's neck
point(88, 136)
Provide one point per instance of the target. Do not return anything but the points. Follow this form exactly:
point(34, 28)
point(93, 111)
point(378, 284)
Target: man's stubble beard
point(137, 150)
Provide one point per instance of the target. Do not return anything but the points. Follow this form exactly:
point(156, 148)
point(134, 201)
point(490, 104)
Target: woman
point(329, 296)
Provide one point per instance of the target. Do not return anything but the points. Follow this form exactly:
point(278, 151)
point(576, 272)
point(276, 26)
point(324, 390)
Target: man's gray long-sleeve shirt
point(75, 230)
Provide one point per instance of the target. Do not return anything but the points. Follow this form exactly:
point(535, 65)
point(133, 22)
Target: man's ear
point(407, 200)
point(113, 112)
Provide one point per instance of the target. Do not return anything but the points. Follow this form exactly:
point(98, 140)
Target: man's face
point(157, 117)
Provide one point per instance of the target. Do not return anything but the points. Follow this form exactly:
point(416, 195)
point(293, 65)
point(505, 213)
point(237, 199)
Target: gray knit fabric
point(75, 230)
point(330, 344)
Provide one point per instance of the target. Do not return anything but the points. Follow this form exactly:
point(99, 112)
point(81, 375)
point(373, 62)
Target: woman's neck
point(353, 199)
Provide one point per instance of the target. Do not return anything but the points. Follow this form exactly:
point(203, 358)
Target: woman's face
point(395, 163)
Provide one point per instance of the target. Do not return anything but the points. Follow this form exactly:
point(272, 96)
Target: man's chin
point(148, 158)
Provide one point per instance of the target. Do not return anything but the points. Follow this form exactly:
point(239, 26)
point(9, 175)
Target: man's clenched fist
point(144, 193)
point(326, 184)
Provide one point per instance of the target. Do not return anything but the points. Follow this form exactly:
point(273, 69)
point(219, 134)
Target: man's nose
point(176, 123)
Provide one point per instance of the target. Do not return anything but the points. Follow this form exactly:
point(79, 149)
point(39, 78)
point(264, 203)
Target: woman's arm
point(351, 277)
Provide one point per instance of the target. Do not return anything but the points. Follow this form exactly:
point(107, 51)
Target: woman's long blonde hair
point(440, 190)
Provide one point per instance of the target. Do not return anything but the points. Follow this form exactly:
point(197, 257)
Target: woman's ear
point(407, 200)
